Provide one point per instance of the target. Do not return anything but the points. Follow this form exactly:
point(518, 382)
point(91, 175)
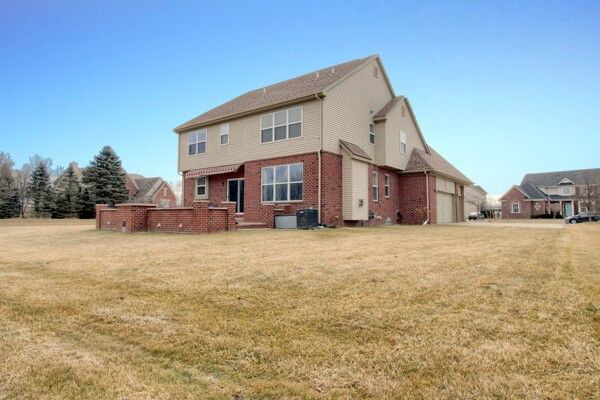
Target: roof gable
point(295, 89)
point(577, 177)
point(391, 106)
point(422, 161)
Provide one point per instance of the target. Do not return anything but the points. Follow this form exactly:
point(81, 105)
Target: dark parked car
point(582, 217)
point(476, 215)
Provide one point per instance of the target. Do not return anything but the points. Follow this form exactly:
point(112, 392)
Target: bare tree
point(588, 193)
point(177, 189)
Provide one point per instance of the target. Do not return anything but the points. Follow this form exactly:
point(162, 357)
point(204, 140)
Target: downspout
point(319, 162)
point(427, 195)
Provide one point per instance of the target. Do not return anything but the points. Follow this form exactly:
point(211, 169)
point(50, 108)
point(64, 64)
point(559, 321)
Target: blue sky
point(499, 88)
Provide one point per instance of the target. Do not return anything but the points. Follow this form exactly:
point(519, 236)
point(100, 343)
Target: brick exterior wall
point(386, 208)
point(513, 195)
point(413, 198)
point(201, 218)
point(165, 193)
point(256, 211)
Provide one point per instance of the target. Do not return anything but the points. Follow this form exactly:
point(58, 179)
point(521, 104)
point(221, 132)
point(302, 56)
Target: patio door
point(235, 192)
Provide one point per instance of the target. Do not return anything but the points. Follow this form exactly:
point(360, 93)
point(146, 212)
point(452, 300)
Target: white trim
point(237, 202)
point(403, 142)
point(375, 185)
point(512, 209)
point(274, 184)
point(201, 196)
point(221, 134)
point(198, 141)
point(287, 125)
point(387, 186)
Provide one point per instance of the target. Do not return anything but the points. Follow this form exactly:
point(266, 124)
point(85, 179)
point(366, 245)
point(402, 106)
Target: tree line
point(29, 190)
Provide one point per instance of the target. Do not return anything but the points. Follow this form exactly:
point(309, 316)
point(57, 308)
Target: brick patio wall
point(200, 218)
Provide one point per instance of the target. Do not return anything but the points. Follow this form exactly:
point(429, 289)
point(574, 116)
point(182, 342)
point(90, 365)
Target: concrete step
point(251, 225)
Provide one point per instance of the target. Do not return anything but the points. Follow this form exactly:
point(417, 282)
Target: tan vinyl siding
point(244, 141)
point(392, 126)
point(355, 186)
point(350, 106)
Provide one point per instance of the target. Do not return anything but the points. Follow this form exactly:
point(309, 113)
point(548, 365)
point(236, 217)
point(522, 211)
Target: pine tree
point(9, 195)
point(41, 192)
point(85, 205)
point(66, 201)
point(106, 178)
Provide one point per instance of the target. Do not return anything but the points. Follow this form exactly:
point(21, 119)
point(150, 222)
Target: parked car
point(582, 217)
point(476, 215)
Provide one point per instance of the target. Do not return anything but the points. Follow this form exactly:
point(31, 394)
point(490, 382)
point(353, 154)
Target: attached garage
point(446, 210)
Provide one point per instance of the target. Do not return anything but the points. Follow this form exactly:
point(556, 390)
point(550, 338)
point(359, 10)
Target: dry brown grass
point(404, 312)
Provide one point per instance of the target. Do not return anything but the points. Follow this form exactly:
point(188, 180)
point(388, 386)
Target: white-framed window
point(402, 142)
point(371, 133)
point(375, 71)
point(386, 186)
point(281, 125)
point(566, 190)
point(197, 142)
point(282, 183)
point(202, 187)
point(515, 207)
point(224, 134)
point(375, 186)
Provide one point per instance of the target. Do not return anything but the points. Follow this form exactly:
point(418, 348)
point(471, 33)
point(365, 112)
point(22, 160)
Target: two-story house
point(561, 192)
point(337, 139)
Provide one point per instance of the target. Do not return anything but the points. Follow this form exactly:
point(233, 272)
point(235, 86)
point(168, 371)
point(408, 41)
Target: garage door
point(445, 208)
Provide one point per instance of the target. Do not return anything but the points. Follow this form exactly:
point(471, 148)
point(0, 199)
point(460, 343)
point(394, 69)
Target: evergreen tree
point(9, 196)
point(66, 201)
point(106, 178)
point(86, 207)
point(41, 192)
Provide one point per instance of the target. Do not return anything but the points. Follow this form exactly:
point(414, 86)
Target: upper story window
point(224, 133)
point(197, 142)
point(202, 187)
point(375, 71)
point(375, 186)
point(386, 185)
point(566, 190)
point(515, 207)
point(281, 125)
point(402, 142)
point(371, 133)
point(282, 183)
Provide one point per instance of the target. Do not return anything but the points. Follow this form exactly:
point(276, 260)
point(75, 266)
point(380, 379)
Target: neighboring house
point(150, 191)
point(141, 190)
point(474, 199)
point(60, 182)
point(338, 140)
point(561, 192)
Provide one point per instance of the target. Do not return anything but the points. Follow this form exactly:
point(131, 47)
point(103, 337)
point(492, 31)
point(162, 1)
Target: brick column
point(98, 208)
point(200, 219)
point(230, 214)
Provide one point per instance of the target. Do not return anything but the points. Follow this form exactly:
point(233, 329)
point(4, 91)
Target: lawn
point(396, 312)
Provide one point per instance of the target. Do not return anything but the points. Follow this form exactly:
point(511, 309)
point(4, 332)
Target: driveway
point(559, 224)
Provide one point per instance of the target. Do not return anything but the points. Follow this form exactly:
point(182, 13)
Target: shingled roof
point(147, 188)
point(421, 161)
point(578, 177)
point(303, 86)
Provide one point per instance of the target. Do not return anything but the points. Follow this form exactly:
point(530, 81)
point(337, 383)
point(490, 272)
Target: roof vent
point(264, 90)
point(333, 70)
point(317, 74)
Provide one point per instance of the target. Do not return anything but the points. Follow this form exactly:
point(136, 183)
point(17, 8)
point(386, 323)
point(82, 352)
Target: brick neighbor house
point(560, 192)
point(141, 190)
point(338, 140)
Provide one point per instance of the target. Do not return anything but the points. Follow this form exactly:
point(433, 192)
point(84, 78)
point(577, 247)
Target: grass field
point(431, 312)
